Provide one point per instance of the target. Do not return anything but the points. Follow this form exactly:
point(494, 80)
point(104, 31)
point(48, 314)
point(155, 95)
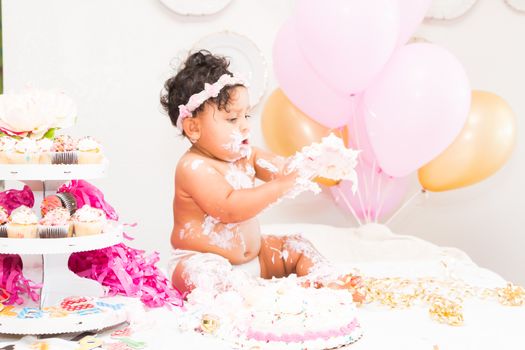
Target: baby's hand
point(288, 180)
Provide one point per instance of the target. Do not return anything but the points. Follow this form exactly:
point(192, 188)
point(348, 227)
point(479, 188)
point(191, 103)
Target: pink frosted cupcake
point(64, 150)
point(89, 151)
point(25, 152)
point(55, 224)
point(7, 146)
point(88, 221)
point(22, 223)
point(4, 218)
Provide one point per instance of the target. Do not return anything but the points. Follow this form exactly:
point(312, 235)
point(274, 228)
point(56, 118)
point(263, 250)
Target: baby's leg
point(207, 271)
point(301, 256)
point(283, 255)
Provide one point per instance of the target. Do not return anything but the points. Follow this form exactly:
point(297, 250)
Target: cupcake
point(22, 223)
point(7, 145)
point(55, 224)
point(44, 146)
point(89, 151)
point(25, 152)
point(4, 217)
point(88, 221)
point(64, 150)
point(60, 200)
point(49, 203)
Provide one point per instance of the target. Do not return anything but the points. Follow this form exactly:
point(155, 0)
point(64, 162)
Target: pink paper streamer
point(14, 282)
point(12, 199)
point(86, 193)
point(128, 237)
point(129, 272)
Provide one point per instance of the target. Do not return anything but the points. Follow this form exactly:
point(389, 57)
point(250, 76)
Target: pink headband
point(210, 90)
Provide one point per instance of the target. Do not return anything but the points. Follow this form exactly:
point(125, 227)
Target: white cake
point(283, 315)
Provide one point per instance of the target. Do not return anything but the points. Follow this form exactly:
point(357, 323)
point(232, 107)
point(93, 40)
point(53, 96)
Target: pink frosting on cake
point(299, 338)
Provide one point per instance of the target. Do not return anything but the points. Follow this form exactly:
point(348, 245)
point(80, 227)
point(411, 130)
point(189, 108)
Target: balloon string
point(380, 197)
point(342, 195)
point(421, 191)
point(372, 185)
point(358, 145)
point(388, 188)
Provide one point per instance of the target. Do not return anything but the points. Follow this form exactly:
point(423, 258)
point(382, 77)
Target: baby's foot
point(354, 284)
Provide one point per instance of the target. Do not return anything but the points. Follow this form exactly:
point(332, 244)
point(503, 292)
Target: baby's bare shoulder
point(195, 164)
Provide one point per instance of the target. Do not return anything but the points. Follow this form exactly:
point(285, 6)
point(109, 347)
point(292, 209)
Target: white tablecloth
point(377, 252)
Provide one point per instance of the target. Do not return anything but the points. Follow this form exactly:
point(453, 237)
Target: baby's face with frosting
point(224, 134)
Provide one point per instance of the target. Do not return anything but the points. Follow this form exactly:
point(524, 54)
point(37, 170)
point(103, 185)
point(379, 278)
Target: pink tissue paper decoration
point(86, 193)
point(129, 272)
point(12, 199)
point(13, 282)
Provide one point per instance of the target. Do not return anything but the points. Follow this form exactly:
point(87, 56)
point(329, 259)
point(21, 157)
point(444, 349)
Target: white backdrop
point(113, 56)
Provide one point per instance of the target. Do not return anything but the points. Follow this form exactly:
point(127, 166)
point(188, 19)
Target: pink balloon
point(357, 133)
point(416, 108)
point(377, 196)
point(411, 13)
point(303, 87)
point(347, 42)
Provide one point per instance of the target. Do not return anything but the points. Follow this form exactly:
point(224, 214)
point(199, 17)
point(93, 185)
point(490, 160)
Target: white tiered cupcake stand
point(46, 260)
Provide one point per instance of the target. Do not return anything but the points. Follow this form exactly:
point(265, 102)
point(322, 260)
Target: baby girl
point(216, 201)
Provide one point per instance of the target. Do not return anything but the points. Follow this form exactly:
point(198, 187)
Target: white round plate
point(195, 7)
point(245, 59)
point(73, 321)
point(449, 9)
point(518, 5)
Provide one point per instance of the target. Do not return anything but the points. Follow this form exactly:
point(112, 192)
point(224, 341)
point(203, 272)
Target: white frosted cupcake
point(55, 224)
point(22, 223)
point(4, 218)
point(44, 146)
point(88, 221)
point(64, 150)
point(7, 146)
point(89, 151)
point(25, 152)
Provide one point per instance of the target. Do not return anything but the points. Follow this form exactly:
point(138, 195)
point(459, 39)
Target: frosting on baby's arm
point(218, 198)
point(268, 166)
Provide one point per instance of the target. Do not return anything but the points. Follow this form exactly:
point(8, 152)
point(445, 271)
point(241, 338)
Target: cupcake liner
point(53, 231)
point(23, 158)
point(89, 157)
point(21, 231)
point(88, 228)
point(68, 201)
point(65, 158)
point(3, 230)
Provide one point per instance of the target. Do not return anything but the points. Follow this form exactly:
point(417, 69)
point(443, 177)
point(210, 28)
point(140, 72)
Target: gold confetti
point(209, 323)
point(444, 298)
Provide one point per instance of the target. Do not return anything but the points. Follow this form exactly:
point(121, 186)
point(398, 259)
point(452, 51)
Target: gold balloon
point(483, 146)
point(286, 129)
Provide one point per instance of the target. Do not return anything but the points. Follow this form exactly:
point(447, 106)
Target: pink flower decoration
point(212, 90)
point(184, 111)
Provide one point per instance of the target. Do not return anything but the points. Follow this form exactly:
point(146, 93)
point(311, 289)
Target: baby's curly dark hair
point(199, 68)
